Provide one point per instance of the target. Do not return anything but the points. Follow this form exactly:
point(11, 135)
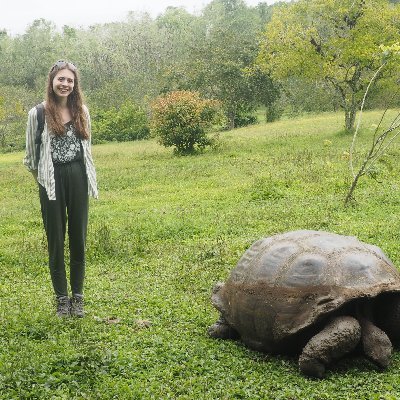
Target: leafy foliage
point(12, 118)
point(181, 119)
point(127, 122)
point(26, 59)
point(315, 56)
point(225, 48)
point(324, 43)
point(245, 119)
point(343, 49)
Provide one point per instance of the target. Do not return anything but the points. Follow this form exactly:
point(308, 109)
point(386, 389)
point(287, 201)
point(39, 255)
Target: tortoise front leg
point(338, 338)
point(376, 344)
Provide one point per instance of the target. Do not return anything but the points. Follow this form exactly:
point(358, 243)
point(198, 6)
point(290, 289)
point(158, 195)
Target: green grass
point(164, 230)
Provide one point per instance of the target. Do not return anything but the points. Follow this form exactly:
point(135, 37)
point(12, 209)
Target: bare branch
point(359, 119)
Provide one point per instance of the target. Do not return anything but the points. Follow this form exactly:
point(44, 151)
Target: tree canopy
point(309, 55)
point(335, 41)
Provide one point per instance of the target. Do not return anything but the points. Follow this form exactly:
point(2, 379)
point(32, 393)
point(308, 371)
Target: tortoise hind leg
point(222, 330)
point(338, 338)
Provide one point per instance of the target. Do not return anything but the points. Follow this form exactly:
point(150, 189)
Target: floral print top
point(66, 148)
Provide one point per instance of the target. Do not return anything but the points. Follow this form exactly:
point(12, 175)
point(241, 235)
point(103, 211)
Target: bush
point(241, 120)
point(182, 118)
point(129, 122)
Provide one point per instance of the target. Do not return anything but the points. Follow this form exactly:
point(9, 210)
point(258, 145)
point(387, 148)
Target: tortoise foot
point(222, 330)
point(311, 367)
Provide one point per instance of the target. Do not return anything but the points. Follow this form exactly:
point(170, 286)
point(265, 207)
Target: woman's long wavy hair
point(74, 103)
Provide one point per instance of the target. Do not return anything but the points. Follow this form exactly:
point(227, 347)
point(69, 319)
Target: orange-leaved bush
point(182, 119)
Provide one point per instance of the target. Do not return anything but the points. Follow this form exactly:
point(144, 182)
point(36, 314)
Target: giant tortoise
point(317, 294)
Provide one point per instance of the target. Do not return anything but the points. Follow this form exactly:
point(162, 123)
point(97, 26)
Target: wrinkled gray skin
point(250, 306)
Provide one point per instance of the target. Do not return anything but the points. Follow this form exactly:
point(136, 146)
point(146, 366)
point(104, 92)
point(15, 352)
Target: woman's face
point(63, 83)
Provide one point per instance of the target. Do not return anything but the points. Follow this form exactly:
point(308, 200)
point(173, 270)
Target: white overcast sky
point(17, 15)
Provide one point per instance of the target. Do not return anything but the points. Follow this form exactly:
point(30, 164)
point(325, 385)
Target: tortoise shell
point(287, 284)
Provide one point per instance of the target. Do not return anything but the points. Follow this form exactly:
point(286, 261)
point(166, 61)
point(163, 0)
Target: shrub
point(129, 122)
point(182, 118)
point(244, 119)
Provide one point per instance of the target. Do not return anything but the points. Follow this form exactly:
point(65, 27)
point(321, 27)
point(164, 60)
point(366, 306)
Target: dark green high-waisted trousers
point(71, 205)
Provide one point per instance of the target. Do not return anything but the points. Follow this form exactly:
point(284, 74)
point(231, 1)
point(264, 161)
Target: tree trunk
point(3, 136)
point(350, 112)
point(231, 121)
point(347, 102)
point(350, 117)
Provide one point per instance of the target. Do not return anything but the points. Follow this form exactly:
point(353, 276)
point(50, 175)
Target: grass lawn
point(163, 232)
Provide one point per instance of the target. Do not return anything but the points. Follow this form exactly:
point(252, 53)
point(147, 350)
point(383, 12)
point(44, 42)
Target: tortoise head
point(217, 299)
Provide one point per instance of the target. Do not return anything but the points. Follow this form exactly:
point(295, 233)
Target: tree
point(336, 41)
point(225, 47)
point(25, 59)
point(177, 33)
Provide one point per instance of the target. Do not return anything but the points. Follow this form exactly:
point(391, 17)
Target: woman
point(63, 167)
